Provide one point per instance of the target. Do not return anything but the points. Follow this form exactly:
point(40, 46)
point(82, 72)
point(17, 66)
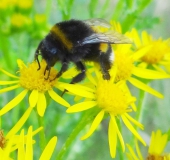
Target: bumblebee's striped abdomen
point(106, 49)
point(103, 47)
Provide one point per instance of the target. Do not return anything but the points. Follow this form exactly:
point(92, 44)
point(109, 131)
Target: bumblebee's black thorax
point(70, 32)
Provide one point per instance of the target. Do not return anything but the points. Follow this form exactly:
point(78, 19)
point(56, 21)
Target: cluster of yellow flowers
point(16, 16)
point(145, 59)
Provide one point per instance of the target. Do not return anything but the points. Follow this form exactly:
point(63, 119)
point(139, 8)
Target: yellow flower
point(40, 18)
point(125, 60)
point(5, 4)
point(19, 21)
point(11, 142)
point(109, 98)
point(31, 80)
point(157, 145)
point(158, 55)
point(26, 4)
point(26, 151)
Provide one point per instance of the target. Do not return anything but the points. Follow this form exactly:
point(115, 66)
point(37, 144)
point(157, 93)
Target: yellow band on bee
point(59, 34)
point(103, 47)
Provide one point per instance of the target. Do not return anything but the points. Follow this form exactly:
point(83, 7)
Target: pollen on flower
point(33, 79)
point(156, 53)
point(111, 98)
point(2, 139)
point(156, 157)
point(124, 65)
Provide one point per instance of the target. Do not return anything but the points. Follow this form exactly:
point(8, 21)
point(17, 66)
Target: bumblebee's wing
point(97, 22)
point(107, 37)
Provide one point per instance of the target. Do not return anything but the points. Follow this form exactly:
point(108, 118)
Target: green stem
point(140, 110)
point(139, 113)
point(86, 118)
point(121, 156)
point(41, 133)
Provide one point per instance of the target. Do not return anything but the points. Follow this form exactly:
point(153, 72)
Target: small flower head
point(157, 56)
point(109, 98)
point(158, 143)
point(19, 21)
point(34, 81)
point(118, 105)
point(27, 4)
point(125, 60)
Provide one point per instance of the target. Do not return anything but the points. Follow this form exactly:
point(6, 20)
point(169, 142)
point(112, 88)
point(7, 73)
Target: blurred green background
point(23, 24)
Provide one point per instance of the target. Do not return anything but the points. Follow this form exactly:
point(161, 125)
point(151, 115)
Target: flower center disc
point(111, 98)
point(31, 78)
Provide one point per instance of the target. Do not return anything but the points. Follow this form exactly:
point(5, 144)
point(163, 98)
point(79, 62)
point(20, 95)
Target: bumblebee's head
point(48, 51)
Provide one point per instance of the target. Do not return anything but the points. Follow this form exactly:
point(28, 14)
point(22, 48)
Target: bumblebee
point(76, 41)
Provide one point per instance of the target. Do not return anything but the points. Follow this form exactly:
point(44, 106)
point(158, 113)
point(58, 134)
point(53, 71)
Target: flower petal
point(36, 131)
point(81, 106)
point(8, 82)
point(132, 153)
point(49, 149)
point(112, 136)
point(146, 38)
point(77, 90)
point(94, 125)
point(91, 78)
point(20, 123)
point(33, 98)
point(149, 74)
point(9, 88)
point(57, 98)
point(29, 148)
point(8, 74)
point(134, 121)
point(21, 64)
point(118, 132)
point(138, 150)
point(144, 87)
point(141, 52)
point(13, 102)
point(131, 128)
point(21, 149)
point(41, 104)
point(136, 38)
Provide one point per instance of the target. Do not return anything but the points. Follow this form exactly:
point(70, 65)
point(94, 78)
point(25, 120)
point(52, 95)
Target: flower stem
point(41, 133)
point(121, 157)
point(140, 109)
point(86, 118)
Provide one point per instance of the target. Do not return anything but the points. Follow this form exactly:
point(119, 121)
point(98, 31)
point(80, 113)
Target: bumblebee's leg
point(63, 69)
point(37, 53)
point(47, 68)
point(79, 77)
point(36, 58)
point(105, 65)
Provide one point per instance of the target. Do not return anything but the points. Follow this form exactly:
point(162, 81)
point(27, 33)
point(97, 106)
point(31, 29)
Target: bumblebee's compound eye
point(53, 50)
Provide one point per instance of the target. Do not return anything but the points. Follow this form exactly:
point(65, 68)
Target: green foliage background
point(21, 43)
